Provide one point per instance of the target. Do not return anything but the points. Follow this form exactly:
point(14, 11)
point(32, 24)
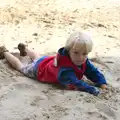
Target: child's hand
point(93, 90)
point(103, 86)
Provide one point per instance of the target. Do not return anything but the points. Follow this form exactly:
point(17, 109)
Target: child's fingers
point(103, 86)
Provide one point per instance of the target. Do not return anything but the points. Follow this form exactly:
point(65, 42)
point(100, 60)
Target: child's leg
point(27, 70)
point(27, 51)
point(32, 54)
point(14, 61)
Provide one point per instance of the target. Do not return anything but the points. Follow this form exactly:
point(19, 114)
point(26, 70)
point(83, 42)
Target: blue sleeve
point(93, 74)
point(67, 76)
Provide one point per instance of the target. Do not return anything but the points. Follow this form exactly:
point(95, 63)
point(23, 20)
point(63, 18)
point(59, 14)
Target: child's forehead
point(81, 51)
point(79, 48)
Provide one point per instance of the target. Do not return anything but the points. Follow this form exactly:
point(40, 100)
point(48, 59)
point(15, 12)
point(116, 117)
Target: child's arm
point(69, 78)
point(93, 74)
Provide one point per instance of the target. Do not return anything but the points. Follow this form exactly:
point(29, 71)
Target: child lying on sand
point(66, 68)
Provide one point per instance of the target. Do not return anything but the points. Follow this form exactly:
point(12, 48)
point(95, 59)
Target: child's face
point(78, 57)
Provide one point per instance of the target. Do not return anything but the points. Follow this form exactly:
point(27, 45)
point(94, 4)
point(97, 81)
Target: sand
point(45, 25)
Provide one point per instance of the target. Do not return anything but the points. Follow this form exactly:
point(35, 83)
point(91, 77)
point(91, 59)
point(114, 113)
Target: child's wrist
point(93, 90)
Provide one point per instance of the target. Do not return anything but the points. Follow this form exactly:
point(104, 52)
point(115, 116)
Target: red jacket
point(48, 73)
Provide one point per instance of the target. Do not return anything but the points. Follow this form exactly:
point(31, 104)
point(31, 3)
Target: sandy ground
point(45, 26)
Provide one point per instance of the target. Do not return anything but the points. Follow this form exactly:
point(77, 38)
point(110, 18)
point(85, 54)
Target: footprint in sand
point(23, 86)
point(97, 115)
point(37, 99)
point(109, 112)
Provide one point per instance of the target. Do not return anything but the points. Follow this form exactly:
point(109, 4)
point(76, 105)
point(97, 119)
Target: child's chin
point(80, 63)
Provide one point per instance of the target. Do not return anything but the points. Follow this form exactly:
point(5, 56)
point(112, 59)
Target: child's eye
point(76, 52)
point(85, 54)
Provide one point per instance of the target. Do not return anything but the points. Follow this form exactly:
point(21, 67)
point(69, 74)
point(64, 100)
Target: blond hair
point(82, 40)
